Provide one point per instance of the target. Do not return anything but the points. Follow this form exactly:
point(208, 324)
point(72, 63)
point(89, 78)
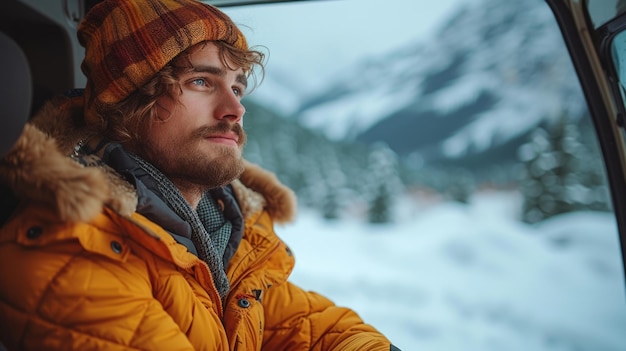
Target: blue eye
point(199, 81)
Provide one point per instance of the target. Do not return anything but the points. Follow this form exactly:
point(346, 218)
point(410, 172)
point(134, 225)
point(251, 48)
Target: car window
point(601, 11)
point(451, 188)
point(618, 51)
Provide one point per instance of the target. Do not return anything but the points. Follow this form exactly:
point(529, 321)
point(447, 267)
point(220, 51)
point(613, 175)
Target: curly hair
point(129, 117)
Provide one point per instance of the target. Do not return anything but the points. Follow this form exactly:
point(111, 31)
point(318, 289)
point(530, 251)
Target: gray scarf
point(210, 229)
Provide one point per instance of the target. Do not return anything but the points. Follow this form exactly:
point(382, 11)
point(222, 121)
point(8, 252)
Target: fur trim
point(265, 191)
point(38, 168)
point(61, 119)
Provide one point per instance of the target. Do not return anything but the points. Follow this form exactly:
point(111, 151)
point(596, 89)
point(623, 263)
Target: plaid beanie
point(128, 41)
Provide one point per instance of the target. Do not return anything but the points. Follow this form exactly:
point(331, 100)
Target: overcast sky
point(325, 35)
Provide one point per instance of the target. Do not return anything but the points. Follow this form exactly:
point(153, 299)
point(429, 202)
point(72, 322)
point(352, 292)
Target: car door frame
point(581, 39)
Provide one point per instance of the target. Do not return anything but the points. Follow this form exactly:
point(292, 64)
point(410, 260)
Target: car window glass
point(618, 51)
point(602, 11)
point(451, 189)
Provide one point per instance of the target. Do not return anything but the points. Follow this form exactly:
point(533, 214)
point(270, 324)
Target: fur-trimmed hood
point(40, 167)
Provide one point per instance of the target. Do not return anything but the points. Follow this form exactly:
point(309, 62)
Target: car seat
point(15, 92)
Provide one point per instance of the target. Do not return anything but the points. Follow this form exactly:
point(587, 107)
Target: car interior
point(41, 58)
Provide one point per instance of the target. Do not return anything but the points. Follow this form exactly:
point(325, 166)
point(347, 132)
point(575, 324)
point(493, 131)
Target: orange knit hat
point(128, 41)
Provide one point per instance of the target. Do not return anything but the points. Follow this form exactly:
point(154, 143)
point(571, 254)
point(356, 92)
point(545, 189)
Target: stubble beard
point(186, 164)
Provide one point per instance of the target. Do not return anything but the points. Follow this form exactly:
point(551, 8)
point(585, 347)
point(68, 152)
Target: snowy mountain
point(494, 72)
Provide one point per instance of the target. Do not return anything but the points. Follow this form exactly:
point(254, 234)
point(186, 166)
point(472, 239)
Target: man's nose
point(230, 107)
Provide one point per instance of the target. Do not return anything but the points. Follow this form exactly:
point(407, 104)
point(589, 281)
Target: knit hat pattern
point(128, 41)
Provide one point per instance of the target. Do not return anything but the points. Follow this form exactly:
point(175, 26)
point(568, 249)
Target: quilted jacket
point(81, 269)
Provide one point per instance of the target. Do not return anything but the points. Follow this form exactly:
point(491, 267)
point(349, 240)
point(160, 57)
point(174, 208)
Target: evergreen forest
point(558, 169)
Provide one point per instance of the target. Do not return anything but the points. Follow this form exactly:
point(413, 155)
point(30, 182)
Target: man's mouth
point(224, 138)
point(223, 133)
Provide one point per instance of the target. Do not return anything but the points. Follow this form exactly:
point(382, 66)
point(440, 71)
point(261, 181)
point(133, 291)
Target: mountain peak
point(494, 71)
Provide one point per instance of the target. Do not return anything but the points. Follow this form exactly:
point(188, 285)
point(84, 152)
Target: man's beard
point(185, 162)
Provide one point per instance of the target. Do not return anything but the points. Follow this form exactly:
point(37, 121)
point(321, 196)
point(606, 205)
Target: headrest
point(15, 92)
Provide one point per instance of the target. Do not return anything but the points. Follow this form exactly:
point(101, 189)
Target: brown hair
point(128, 118)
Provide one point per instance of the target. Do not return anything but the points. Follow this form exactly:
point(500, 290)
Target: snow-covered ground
point(472, 277)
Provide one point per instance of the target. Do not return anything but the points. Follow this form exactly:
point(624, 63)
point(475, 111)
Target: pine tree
point(460, 186)
point(545, 166)
point(335, 183)
point(531, 185)
point(330, 205)
point(559, 175)
point(384, 183)
point(594, 174)
point(380, 208)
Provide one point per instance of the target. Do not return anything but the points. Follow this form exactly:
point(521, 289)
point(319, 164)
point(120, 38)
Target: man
point(154, 234)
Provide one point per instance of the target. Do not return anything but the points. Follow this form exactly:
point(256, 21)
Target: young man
point(154, 233)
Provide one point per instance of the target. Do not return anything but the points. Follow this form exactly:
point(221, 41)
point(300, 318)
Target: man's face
point(197, 139)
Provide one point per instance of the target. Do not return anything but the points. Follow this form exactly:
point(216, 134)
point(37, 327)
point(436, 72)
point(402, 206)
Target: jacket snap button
point(34, 232)
point(116, 247)
point(244, 303)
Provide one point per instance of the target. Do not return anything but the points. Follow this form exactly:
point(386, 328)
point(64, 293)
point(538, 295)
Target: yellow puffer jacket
point(80, 270)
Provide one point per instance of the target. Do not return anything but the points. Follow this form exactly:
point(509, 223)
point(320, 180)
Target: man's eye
point(237, 91)
point(199, 81)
